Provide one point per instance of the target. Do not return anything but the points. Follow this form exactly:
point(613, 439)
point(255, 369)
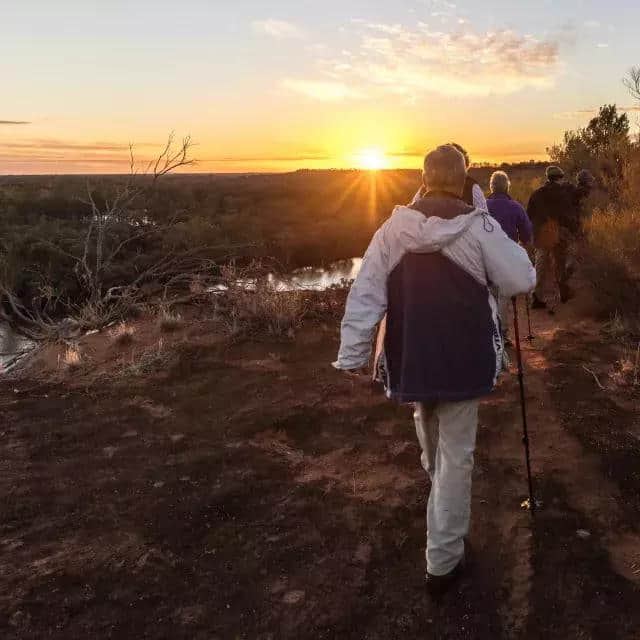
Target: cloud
point(411, 61)
point(592, 24)
point(277, 29)
point(322, 90)
point(14, 122)
point(63, 145)
point(578, 113)
point(290, 158)
point(59, 145)
point(10, 158)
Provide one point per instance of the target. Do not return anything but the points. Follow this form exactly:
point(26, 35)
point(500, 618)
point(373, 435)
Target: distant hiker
point(585, 185)
point(508, 212)
point(428, 268)
point(552, 209)
point(472, 193)
point(514, 222)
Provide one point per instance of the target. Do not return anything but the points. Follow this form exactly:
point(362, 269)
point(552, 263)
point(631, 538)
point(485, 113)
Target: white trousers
point(447, 435)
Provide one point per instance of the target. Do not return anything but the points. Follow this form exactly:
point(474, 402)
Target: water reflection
point(306, 279)
point(11, 345)
point(318, 278)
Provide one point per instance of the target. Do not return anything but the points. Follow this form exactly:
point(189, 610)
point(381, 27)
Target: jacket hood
point(431, 224)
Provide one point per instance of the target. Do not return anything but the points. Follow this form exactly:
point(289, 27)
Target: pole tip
point(529, 506)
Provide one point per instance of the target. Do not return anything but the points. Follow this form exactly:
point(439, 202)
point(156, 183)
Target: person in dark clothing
point(585, 184)
point(552, 210)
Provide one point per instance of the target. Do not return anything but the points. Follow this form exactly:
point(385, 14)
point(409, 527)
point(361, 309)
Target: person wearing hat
point(553, 212)
point(585, 184)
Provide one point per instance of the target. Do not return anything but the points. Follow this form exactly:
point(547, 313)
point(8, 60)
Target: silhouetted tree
point(632, 82)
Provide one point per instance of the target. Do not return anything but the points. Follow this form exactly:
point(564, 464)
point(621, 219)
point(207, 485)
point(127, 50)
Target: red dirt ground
point(250, 491)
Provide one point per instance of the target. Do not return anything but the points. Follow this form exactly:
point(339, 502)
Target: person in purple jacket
point(514, 222)
point(508, 212)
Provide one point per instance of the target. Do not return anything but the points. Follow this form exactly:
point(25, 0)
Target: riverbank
point(13, 348)
point(246, 489)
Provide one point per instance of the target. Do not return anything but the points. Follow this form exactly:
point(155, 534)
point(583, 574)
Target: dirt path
point(253, 492)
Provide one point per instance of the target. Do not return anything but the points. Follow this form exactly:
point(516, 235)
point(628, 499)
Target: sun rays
point(372, 159)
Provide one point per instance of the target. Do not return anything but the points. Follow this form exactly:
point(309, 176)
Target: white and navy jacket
point(429, 268)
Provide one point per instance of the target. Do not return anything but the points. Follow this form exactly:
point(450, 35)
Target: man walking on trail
point(514, 222)
point(553, 211)
point(429, 268)
point(472, 192)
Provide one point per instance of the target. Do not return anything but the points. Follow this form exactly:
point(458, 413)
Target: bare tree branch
point(632, 82)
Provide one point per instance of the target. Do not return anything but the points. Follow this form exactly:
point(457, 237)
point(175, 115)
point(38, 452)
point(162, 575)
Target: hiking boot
point(537, 303)
point(439, 585)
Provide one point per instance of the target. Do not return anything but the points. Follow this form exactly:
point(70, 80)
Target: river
point(11, 345)
point(319, 278)
point(308, 279)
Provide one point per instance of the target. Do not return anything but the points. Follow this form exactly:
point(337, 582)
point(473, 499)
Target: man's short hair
point(444, 170)
point(499, 182)
point(463, 151)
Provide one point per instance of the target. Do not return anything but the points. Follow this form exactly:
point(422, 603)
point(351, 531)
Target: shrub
point(612, 262)
point(604, 148)
point(155, 359)
point(72, 358)
point(169, 321)
point(123, 334)
point(251, 304)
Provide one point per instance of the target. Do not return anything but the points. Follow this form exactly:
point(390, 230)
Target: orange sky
point(287, 85)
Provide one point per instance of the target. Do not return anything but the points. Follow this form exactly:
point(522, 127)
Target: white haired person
point(514, 222)
point(472, 192)
point(428, 268)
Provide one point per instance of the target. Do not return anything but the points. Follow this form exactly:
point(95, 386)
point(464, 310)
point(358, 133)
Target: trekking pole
point(525, 438)
point(530, 337)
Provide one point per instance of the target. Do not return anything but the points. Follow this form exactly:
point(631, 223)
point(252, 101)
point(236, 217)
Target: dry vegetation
point(71, 359)
point(251, 305)
point(612, 261)
point(123, 335)
point(155, 358)
point(169, 321)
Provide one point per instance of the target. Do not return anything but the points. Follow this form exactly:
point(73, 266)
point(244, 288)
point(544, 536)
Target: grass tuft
point(123, 335)
point(152, 360)
point(72, 358)
point(169, 321)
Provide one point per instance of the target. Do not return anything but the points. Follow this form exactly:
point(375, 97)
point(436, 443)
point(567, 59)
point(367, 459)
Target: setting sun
point(372, 159)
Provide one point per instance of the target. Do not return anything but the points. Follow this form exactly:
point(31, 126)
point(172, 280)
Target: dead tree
point(101, 304)
point(632, 82)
